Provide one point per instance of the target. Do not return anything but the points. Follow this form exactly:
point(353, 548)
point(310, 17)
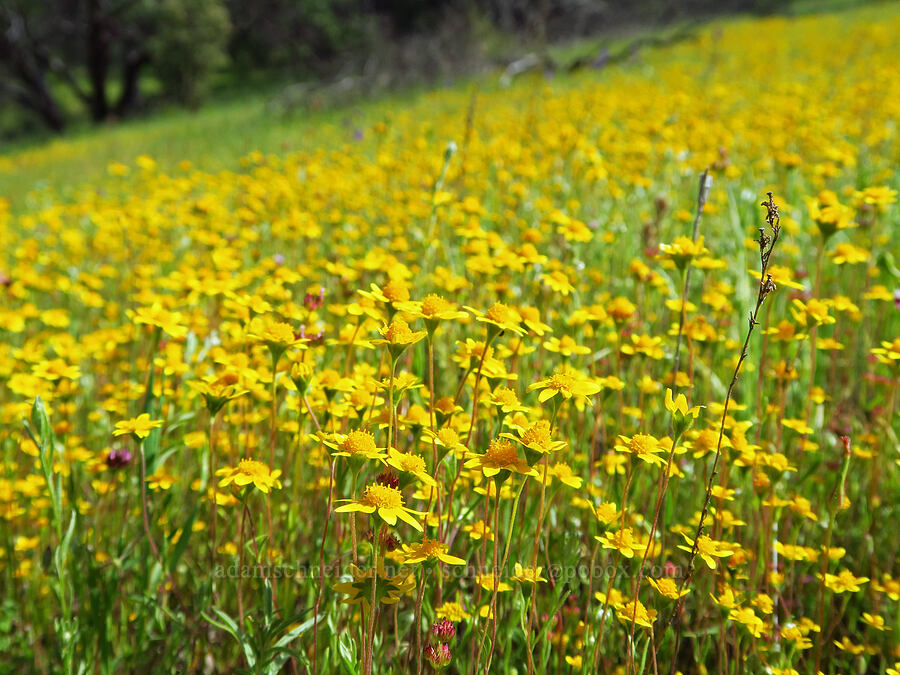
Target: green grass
point(216, 136)
point(276, 237)
point(212, 138)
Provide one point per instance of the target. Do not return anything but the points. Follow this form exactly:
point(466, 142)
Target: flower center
point(622, 538)
point(506, 396)
point(666, 585)
point(707, 439)
point(478, 349)
point(358, 442)
point(251, 467)
point(620, 308)
point(502, 453)
point(279, 333)
point(395, 291)
point(397, 332)
point(817, 309)
point(561, 382)
point(538, 435)
point(563, 471)
point(432, 547)
point(705, 545)
point(434, 304)
point(329, 378)
point(383, 497)
point(642, 444)
point(453, 611)
point(445, 405)
point(499, 313)
point(448, 437)
point(530, 313)
point(412, 463)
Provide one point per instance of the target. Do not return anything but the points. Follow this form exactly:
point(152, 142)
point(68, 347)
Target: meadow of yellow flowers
point(451, 391)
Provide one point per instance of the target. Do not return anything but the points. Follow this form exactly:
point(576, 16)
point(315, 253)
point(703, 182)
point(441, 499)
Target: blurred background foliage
point(66, 63)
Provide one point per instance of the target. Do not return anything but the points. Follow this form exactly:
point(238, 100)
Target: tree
point(53, 50)
point(189, 47)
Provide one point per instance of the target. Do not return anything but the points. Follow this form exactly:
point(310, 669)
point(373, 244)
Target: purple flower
point(443, 630)
point(313, 301)
point(118, 458)
point(438, 656)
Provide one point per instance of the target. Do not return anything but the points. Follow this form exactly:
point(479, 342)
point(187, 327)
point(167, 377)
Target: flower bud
point(443, 631)
point(438, 656)
point(118, 458)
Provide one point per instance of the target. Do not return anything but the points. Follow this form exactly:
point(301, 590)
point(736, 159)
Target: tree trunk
point(97, 59)
point(130, 97)
point(39, 102)
point(30, 88)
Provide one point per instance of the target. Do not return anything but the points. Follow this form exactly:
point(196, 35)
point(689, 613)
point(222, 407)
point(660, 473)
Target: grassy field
point(593, 373)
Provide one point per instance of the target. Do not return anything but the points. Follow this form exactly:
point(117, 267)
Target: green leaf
point(347, 651)
point(230, 626)
point(277, 663)
point(886, 262)
point(267, 600)
point(151, 450)
point(181, 546)
point(63, 550)
point(562, 592)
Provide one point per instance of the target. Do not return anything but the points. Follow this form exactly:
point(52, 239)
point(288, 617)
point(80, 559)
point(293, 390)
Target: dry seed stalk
point(766, 286)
